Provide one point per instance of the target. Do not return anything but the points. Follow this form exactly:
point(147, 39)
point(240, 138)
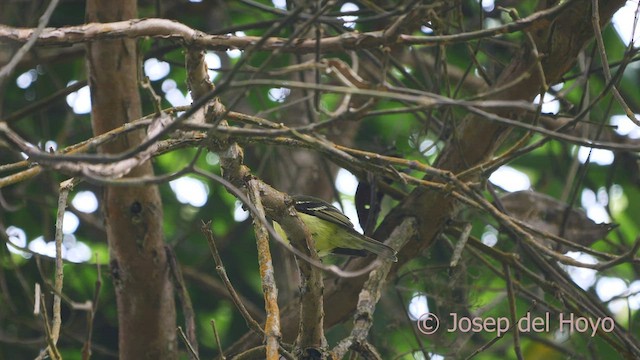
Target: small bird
point(333, 232)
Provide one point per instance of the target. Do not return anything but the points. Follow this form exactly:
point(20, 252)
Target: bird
point(333, 232)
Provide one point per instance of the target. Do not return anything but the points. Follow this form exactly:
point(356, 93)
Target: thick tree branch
point(164, 28)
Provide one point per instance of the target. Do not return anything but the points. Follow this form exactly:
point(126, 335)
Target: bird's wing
point(320, 208)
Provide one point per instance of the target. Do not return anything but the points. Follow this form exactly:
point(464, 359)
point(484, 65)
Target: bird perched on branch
point(333, 232)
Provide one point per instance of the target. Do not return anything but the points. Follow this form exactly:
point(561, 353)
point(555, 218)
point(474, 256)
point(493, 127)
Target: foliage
point(412, 105)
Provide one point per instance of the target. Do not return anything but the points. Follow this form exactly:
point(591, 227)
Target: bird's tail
point(362, 242)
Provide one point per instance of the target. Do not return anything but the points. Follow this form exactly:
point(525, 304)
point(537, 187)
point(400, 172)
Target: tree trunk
point(133, 215)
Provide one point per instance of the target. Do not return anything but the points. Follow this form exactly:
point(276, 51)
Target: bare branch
point(32, 39)
point(169, 29)
point(270, 291)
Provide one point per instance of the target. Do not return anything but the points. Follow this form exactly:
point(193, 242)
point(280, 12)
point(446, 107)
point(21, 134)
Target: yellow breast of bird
point(324, 234)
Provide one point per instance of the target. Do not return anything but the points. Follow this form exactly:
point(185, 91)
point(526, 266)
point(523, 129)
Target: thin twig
point(597, 31)
point(192, 351)
point(86, 348)
point(217, 337)
point(185, 301)
point(511, 296)
point(251, 323)
point(36, 303)
point(51, 349)
point(462, 242)
point(65, 187)
point(33, 37)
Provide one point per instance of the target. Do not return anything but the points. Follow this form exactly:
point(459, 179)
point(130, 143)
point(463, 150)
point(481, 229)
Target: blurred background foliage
point(606, 186)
